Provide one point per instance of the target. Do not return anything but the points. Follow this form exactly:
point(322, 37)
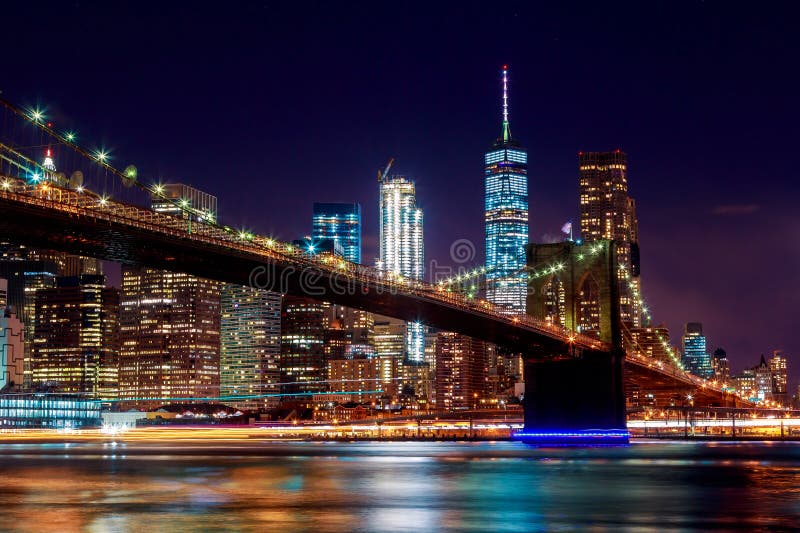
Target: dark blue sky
point(272, 106)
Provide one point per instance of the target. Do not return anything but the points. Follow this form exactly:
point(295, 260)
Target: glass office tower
point(506, 206)
point(341, 223)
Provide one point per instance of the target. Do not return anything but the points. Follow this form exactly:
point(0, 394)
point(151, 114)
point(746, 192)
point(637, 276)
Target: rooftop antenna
point(506, 128)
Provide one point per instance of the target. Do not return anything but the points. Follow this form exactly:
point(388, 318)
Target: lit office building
point(341, 223)
point(695, 356)
point(12, 349)
point(54, 411)
point(27, 270)
point(745, 384)
point(778, 368)
point(304, 324)
point(649, 341)
point(719, 362)
point(390, 334)
point(169, 321)
point(250, 346)
point(506, 206)
point(359, 376)
point(170, 331)
point(402, 248)
point(763, 379)
point(461, 374)
point(76, 342)
point(3, 293)
point(607, 212)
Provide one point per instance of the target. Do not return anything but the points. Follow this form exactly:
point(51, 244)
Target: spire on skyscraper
point(506, 128)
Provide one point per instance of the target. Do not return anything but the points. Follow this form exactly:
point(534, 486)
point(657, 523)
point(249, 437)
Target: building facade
point(780, 377)
point(461, 372)
point(250, 346)
point(341, 223)
point(695, 355)
point(170, 337)
point(607, 212)
point(402, 248)
point(12, 349)
point(719, 362)
point(76, 342)
point(304, 324)
point(506, 216)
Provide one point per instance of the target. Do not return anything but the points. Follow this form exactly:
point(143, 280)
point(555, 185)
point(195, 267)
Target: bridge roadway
point(51, 217)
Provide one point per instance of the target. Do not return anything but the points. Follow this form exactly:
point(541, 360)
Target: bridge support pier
point(575, 401)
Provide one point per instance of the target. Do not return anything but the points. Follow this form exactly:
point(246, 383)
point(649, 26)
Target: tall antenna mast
point(506, 128)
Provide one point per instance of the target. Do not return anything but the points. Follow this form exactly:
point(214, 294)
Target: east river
point(414, 486)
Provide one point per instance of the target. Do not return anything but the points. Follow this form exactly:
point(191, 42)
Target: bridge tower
point(575, 396)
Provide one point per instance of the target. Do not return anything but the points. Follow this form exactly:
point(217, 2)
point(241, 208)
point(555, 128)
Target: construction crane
point(383, 176)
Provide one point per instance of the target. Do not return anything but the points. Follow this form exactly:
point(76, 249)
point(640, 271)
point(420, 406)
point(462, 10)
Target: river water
point(321, 487)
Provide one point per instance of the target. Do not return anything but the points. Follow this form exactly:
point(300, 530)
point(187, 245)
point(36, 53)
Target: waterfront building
point(12, 349)
point(27, 270)
point(745, 384)
point(719, 362)
point(341, 223)
point(304, 325)
point(170, 321)
point(389, 338)
point(250, 346)
point(763, 379)
point(461, 377)
point(402, 248)
point(76, 342)
point(170, 330)
point(695, 356)
point(47, 410)
point(778, 368)
point(358, 376)
point(506, 217)
point(3, 293)
point(607, 212)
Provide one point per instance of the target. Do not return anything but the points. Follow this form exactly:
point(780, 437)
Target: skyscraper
point(506, 214)
point(402, 248)
point(303, 333)
point(341, 223)
point(778, 367)
point(76, 342)
point(250, 339)
point(170, 329)
point(722, 370)
point(607, 212)
point(170, 321)
point(695, 356)
point(461, 364)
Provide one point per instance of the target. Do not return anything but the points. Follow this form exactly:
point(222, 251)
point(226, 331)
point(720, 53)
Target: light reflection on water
point(324, 487)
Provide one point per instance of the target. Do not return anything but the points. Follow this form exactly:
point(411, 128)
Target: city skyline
point(727, 207)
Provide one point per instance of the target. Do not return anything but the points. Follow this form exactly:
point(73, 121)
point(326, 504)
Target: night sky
point(272, 106)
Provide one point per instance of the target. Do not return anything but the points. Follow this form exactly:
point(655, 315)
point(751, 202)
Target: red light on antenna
point(505, 67)
point(49, 124)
